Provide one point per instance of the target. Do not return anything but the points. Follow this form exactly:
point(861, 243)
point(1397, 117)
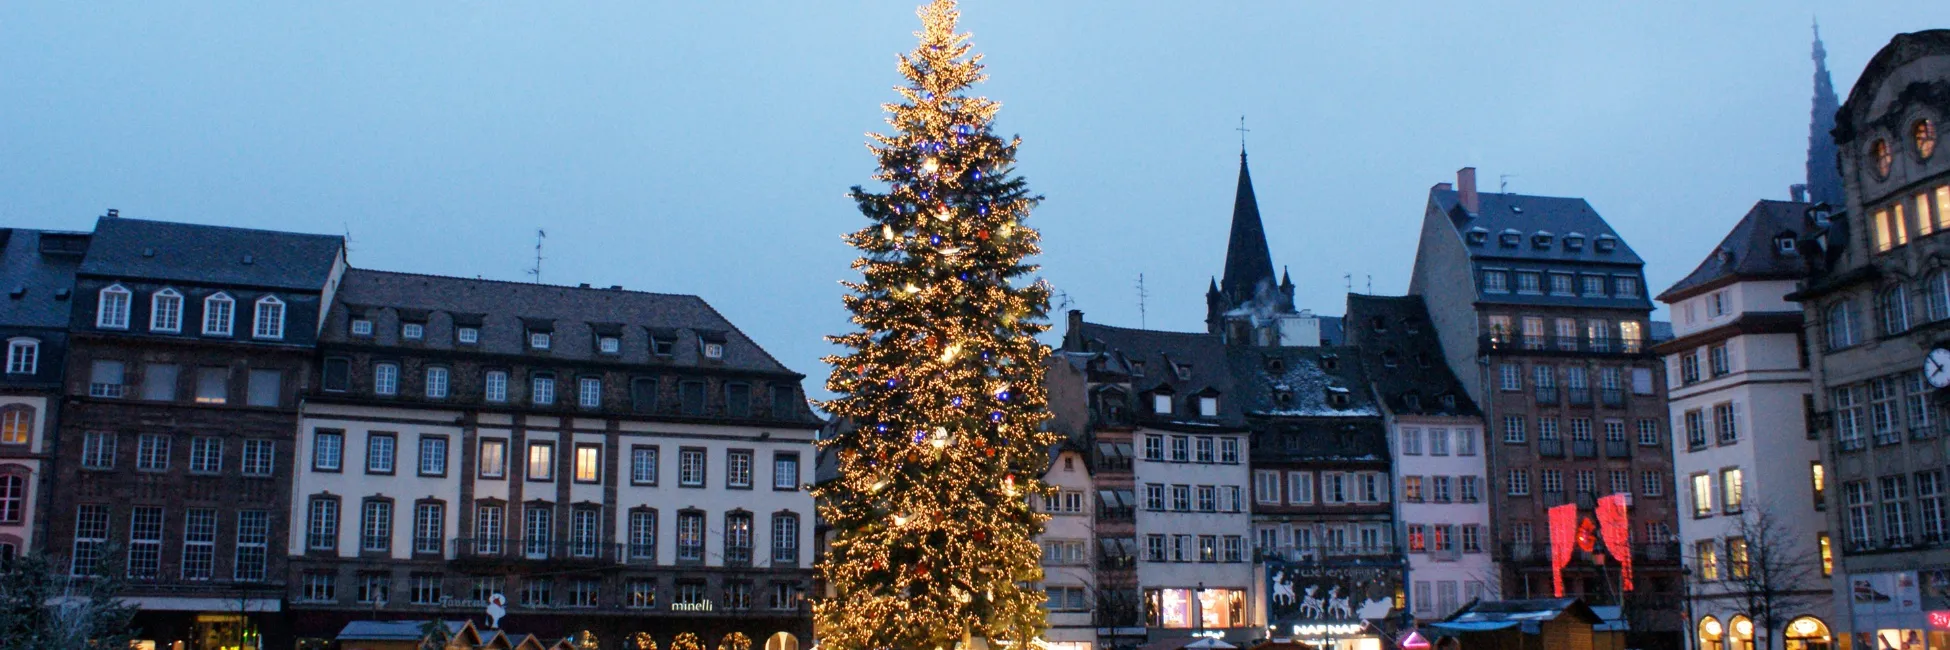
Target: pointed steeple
point(1824, 177)
point(1248, 259)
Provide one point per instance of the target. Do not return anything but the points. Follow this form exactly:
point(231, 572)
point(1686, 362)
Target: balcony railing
point(1578, 396)
point(1612, 397)
point(1567, 344)
point(1584, 448)
point(1618, 449)
point(1550, 448)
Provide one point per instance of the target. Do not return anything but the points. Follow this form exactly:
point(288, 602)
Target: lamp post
point(1686, 628)
point(1198, 610)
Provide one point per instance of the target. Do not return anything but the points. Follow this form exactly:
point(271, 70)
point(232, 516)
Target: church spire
point(1824, 178)
point(1248, 259)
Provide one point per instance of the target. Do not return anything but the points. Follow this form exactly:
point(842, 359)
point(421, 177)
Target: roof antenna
point(1062, 300)
point(348, 237)
point(1370, 284)
point(1142, 294)
point(1503, 183)
point(537, 271)
point(1349, 277)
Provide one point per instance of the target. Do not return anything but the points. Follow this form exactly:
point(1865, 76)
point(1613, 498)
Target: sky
point(706, 148)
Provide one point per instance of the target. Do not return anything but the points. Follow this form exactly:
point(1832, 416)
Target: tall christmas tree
point(942, 385)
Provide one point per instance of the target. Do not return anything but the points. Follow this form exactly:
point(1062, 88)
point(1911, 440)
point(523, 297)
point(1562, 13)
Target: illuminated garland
point(941, 387)
point(686, 641)
point(735, 641)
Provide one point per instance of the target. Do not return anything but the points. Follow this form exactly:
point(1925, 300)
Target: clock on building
point(1936, 367)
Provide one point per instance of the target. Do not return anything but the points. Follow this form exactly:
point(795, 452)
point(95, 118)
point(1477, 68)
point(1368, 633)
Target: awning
point(1484, 626)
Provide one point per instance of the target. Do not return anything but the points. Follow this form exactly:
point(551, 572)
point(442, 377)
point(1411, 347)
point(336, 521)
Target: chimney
point(1466, 185)
point(1799, 191)
point(1443, 187)
point(114, 213)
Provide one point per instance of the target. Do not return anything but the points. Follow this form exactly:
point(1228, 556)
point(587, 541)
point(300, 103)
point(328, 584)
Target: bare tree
point(44, 608)
point(1778, 577)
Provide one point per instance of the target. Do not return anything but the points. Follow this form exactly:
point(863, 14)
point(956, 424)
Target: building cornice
point(1766, 322)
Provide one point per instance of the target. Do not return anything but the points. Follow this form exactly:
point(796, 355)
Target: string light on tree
point(934, 541)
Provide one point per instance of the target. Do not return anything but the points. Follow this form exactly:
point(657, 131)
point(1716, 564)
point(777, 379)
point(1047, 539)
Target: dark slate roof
point(220, 255)
point(1402, 355)
point(1296, 382)
point(37, 271)
point(1331, 331)
point(1149, 357)
point(1749, 252)
point(1249, 260)
point(575, 314)
point(1529, 215)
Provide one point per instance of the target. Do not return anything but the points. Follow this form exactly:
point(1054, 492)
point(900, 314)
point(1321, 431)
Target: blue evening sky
point(705, 147)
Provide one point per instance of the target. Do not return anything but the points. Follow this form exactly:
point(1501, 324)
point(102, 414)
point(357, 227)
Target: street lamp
point(1686, 628)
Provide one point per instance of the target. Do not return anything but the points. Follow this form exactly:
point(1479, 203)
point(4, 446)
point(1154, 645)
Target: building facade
point(189, 348)
point(1542, 306)
point(39, 268)
point(1069, 544)
point(1436, 443)
point(609, 463)
point(1874, 308)
point(1749, 471)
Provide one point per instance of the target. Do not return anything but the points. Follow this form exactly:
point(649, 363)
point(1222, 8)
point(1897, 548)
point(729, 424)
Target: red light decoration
point(1564, 530)
point(1616, 525)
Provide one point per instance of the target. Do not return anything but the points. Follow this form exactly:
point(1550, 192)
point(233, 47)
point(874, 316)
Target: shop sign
point(700, 606)
point(1940, 620)
point(1315, 630)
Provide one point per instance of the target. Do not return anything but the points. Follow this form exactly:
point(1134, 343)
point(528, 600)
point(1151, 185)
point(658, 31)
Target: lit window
point(16, 424)
point(219, 311)
point(541, 461)
point(166, 311)
point(112, 308)
point(23, 356)
point(589, 463)
point(1881, 156)
point(1923, 132)
point(270, 318)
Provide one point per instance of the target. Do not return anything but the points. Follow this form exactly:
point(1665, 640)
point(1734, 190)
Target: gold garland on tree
point(942, 387)
point(643, 641)
point(687, 641)
point(735, 641)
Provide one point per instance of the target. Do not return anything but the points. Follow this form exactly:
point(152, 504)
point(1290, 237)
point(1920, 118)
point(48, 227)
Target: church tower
point(1248, 288)
point(1824, 176)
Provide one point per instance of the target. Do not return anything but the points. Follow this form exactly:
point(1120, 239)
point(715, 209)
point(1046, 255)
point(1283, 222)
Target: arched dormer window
point(270, 318)
point(219, 312)
point(112, 308)
point(166, 311)
point(23, 356)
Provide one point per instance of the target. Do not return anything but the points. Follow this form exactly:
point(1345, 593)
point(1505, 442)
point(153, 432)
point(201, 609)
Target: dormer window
point(1478, 236)
point(166, 311)
point(1496, 281)
point(1161, 403)
point(1530, 282)
point(1388, 358)
point(361, 327)
point(1561, 284)
point(538, 340)
point(1137, 368)
point(412, 331)
point(1337, 397)
point(270, 318)
point(662, 345)
point(1412, 400)
point(1183, 370)
point(1541, 240)
point(714, 350)
point(1606, 243)
point(1574, 242)
point(1283, 398)
point(112, 309)
point(1510, 238)
point(1422, 359)
point(219, 311)
point(1628, 287)
point(1330, 362)
point(1276, 365)
point(1208, 407)
point(23, 356)
point(1448, 401)
point(1784, 244)
point(468, 335)
point(609, 345)
point(1378, 323)
point(1594, 285)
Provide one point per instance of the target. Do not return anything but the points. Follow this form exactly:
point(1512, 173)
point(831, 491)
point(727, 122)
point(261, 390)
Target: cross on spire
point(1242, 134)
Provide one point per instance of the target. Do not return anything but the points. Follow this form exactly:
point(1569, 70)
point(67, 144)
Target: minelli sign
point(699, 606)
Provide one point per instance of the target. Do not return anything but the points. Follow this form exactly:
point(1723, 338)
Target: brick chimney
point(1466, 186)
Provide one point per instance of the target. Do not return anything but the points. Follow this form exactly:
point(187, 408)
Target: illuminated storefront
point(1192, 609)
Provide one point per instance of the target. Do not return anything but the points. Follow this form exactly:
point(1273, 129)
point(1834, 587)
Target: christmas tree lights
point(941, 386)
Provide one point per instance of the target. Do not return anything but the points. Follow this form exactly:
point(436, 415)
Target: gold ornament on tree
point(941, 386)
point(687, 641)
point(735, 641)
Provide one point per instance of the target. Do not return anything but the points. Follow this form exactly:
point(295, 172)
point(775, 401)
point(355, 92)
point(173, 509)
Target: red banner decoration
point(1564, 533)
point(1616, 527)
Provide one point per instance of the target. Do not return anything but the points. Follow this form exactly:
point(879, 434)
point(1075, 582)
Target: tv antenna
point(537, 271)
point(1503, 183)
point(1063, 301)
point(1349, 279)
point(348, 237)
point(1142, 295)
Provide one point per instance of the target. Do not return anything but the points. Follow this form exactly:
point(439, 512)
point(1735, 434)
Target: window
point(429, 527)
point(212, 385)
point(584, 592)
point(1411, 441)
point(23, 356)
point(425, 589)
point(1438, 442)
point(379, 453)
point(1717, 355)
point(433, 455)
point(1154, 448)
point(412, 331)
point(1594, 285)
point(1649, 433)
point(589, 463)
point(784, 402)
point(1707, 553)
point(1561, 284)
point(538, 340)
point(376, 526)
point(640, 593)
point(1929, 506)
point(1161, 404)
point(105, 379)
point(1511, 376)
point(487, 529)
point(785, 537)
point(1818, 479)
point(322, 524)
point(1202, 449)
point(145, 541)
point(1695, 429)
point(1208, 498)
point(542, 389)
point(112, 308)
point(319, 587)
point(253, 541)
point(1827, 554)
point(1732, 491)
point(690, 397)
point(1841, 325)
point(1702, 495)
point(662, 344)
point(1513, 429)
point(1180, 449)
point(1208, 407)
point(1418, 538)
point(1883, 415)
point(1895, 509)
point(1551, 480)
point(714, 350)
point(643, 396)
point(152, 452)
point(219, 310)
point(436, 382)
point(785, 471)
point(13, 498)
point(1855, 495)
point(375, 588)
point(1893, 307)
point(1627, 287)
point(1652, 484)
point(361, 327)
point(496, 384)
point(206, 455)
point(166, 311)
point(690, 467)
point(1154, 497)
point(1412, 489)
point(326, 450)
point(643, 465)
point(1495, 281)
point(467, 335)
point(1469, 487)
point(159, 382)
point(541, 460)
point(270, 318)
point(1923, 134)
point(1181, 498)
point(266, 388)
point(690, 536)
point(1229, 451)
point(585, 532)
point(1440, 489)
point(738, 400)
point(537, 592)
point(537, 529)
point(589, 392)
point(1726, 423)
point(1518, 481)
point(643, 535)
point(1266, 488)
point(494, 458)
point(1849, 433)
point(16, 424)
point(609, 345)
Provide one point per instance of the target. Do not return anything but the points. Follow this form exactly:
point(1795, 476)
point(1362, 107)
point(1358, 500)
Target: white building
point(1741, 399)
point(1192, 526)
point(1069, 542)
point(615, 462)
